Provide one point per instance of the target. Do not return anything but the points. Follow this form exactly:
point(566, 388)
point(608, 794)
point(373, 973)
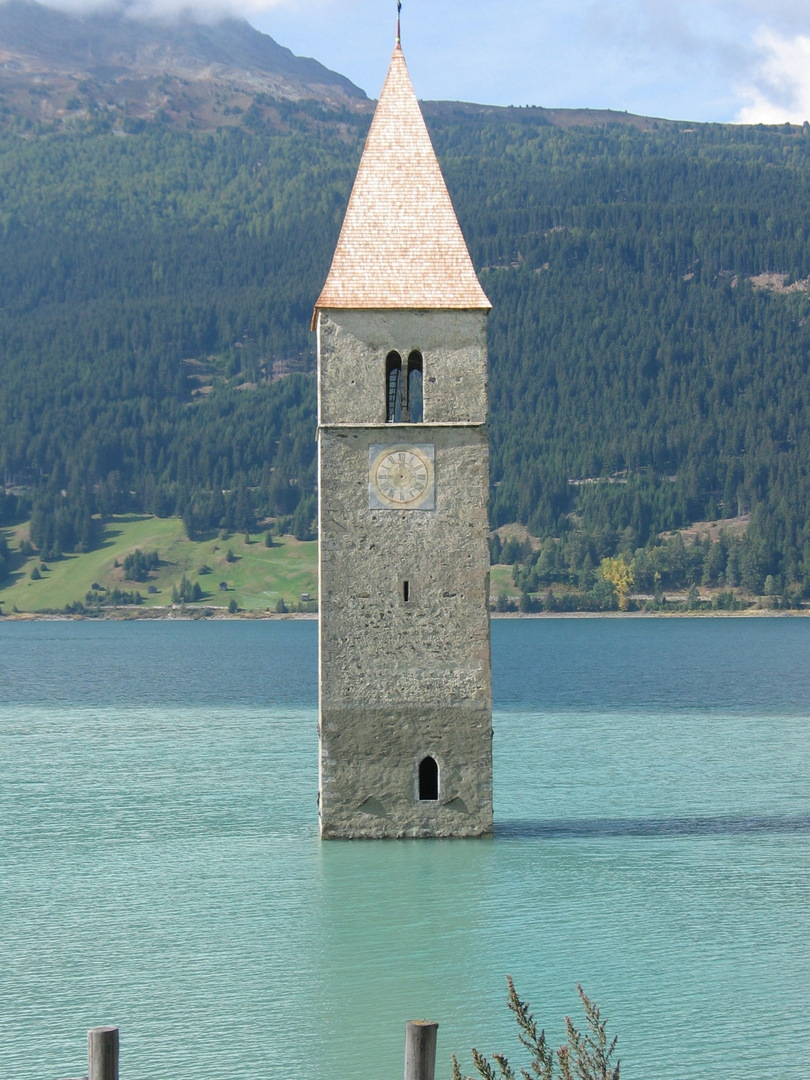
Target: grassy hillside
point(256, 578)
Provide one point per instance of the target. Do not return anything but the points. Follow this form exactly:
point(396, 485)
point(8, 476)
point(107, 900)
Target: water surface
point(160, 867)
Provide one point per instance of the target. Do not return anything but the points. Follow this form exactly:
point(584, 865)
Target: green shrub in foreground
point(582, 1057)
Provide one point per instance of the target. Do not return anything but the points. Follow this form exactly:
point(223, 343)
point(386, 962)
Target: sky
point(742, 61)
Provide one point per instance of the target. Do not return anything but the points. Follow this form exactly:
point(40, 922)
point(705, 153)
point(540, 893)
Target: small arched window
point(394, 388)
point(415, 409)
point(403, 389)
point(428, 780)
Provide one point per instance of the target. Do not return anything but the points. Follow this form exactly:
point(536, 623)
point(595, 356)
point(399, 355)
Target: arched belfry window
point(394, 387)
point(415, 410)
point(403, 389)
point(428, 780)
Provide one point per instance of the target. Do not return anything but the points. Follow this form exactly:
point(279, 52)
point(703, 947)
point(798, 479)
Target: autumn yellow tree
point(618, 573)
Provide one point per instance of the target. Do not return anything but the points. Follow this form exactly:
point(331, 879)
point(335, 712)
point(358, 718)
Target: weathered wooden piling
point(102, 1053)
point(420, 1050)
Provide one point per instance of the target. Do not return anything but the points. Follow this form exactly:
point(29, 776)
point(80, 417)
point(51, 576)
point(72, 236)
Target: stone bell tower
point(405, 685)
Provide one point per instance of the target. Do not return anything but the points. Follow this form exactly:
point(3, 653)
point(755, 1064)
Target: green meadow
point(256, 576)
point(502, 583)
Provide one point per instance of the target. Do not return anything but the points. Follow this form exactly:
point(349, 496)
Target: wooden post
point(102, 1053)
point(420, 1050)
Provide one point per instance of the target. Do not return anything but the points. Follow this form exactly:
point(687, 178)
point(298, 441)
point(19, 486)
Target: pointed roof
point(401, 245)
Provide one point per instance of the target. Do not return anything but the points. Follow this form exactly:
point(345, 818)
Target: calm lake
point(160, 867)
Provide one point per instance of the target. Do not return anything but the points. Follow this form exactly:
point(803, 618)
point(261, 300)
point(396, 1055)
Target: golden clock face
point(401, 477)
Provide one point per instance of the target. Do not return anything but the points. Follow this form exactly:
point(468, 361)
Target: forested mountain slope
point(156, 291)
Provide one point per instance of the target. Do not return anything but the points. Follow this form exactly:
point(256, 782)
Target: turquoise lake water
point(160, 867)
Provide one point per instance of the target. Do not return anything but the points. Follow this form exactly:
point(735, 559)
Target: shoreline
point(126, 614)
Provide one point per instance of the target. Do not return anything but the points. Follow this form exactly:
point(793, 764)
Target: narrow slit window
point(428, 780)
point(406, 591)
point(393, 388)
point(415, 406)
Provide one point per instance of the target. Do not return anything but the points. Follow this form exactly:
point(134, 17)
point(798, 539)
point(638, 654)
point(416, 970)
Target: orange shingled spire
point(401, 245)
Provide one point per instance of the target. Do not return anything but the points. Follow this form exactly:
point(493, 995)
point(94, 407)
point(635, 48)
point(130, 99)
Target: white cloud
point(780, 89)
point(204, 10)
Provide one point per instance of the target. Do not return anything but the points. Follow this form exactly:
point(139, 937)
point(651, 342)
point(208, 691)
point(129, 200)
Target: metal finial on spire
point(399, 17)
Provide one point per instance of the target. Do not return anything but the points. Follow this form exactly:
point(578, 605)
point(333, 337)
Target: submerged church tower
point(405, 718)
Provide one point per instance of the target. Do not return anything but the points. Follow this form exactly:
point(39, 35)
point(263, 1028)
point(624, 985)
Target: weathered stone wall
point(370, 762)
point(353, 345)
point(404, 679)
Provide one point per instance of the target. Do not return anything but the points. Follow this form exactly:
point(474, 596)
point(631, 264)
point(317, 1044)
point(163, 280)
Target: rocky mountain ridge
point(120, 69)
point(57, 66)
